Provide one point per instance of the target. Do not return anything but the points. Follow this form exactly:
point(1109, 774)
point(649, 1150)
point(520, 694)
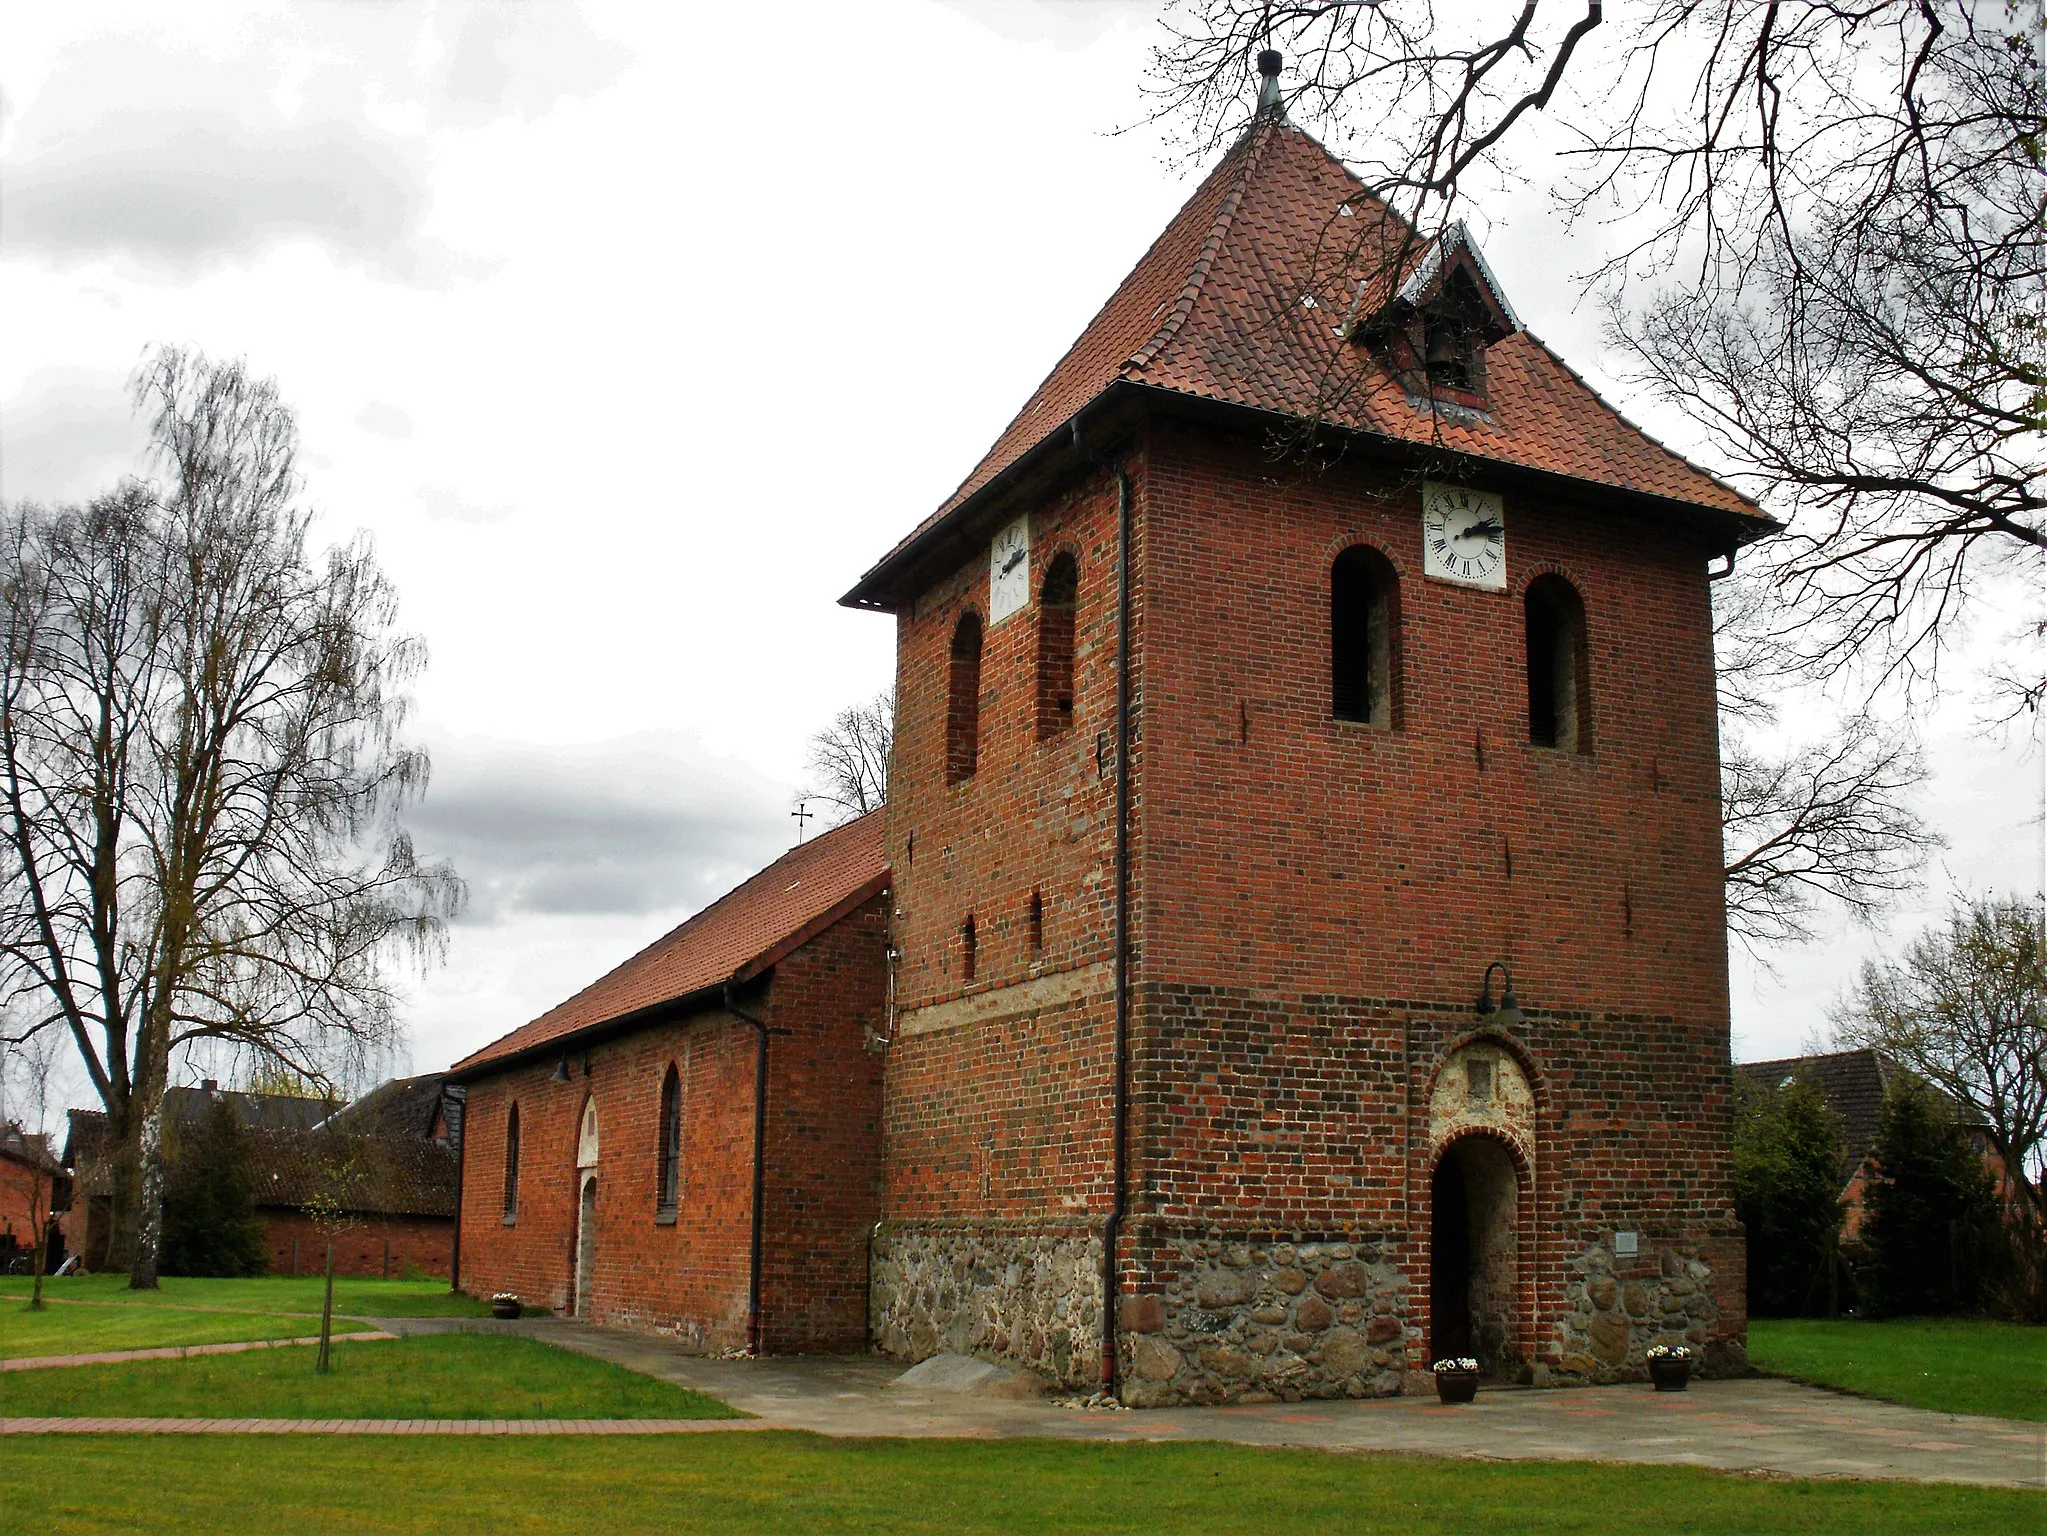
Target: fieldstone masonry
point(1617, 1310)
point(1246, 1321)
point(1032, 1297)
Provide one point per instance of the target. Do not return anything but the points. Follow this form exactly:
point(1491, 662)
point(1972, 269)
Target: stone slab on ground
point(1764, 1425)
point(968, 1376)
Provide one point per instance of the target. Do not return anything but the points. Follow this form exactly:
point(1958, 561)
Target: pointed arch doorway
point(586, 1212)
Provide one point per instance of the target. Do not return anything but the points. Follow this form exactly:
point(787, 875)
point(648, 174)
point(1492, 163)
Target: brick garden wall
point(392, 1246)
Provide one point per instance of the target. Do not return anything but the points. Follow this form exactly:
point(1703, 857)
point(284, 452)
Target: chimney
point(211, 1085)
point(1269, 61)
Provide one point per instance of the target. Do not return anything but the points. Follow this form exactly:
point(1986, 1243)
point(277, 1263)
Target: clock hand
point(1485, 530)
point(1012, 562)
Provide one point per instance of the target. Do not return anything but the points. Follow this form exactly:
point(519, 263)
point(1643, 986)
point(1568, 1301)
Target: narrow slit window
point(1364, 638)
point(969, 948)
point(1037, 922)
point(669, 1180)
point(1559, 702)
point(512, 1163)
point(963, 702)
point(1055, 647)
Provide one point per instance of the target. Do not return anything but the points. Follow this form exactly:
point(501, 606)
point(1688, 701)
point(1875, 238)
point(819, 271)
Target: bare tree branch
point(849, 758)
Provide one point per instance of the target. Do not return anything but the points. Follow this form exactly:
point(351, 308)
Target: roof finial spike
point(1269, 104)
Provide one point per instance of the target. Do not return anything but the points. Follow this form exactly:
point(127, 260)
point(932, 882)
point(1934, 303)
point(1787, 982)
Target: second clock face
point(1009, 570)
point(1464, 535)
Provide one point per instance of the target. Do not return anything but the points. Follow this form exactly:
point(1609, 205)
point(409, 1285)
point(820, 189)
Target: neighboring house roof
point(366, 1175)
point(1217, 310)
point(402, 1106)
point(85, 1131)
point(29, 1148)
point(87, 1128)
point(1854, 1083)
point(734, 939)
point(256, 1111)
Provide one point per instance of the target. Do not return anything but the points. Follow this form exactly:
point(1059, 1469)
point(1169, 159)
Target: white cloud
point(67, 435)
point(384, 419)
point(643, 824)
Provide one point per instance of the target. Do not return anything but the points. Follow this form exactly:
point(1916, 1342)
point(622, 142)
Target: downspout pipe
point(1112, 1225)
point(760, 1143)
point(461, 1170)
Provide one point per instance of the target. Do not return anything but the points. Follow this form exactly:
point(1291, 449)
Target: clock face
point(1464, 536)
point(1009, 570)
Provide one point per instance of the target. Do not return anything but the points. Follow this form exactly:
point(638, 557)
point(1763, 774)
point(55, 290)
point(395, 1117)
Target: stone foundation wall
point(1218, 1319)
point(1616, 1309)
point(1028, 1296)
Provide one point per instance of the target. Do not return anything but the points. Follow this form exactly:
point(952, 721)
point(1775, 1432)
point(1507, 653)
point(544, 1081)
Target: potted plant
point(505, 1305)
point(1456, 1379)
point(1670, 1366)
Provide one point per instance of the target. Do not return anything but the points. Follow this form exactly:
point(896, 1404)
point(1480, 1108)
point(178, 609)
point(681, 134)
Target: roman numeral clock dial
point(1464, 536)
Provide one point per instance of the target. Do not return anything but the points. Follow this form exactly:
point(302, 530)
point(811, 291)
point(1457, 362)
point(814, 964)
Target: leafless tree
point(849, 757)
point(334, 1205)
point(1965, 1007)
point(1825, 824)
point(1827, 226)
point(25, 1072)
point(200, 757)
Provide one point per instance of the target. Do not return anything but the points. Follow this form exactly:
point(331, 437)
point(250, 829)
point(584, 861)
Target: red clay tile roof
point(737, 937)
point(1214, 310)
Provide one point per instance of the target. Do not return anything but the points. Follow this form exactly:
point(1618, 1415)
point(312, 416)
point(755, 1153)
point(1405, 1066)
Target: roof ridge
point(1204, 259)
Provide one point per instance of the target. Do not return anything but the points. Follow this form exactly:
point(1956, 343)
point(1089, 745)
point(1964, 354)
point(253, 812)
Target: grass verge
point(1951, 1365)
point(61, 1329)
point(774, 1482)
point(449, 1376)
point(265, 1293)
point(88, 1313)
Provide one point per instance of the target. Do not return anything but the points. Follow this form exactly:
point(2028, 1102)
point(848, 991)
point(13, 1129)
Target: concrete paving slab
point(1757, 1425)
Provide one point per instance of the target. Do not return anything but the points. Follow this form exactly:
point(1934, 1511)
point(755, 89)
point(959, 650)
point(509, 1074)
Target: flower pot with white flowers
point(1456, 1379)
point(1670, 1367)
point(505, 1305)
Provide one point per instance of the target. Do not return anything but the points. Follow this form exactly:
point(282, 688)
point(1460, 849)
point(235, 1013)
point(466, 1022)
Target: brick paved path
point(73, 1426)
point(179, 1351)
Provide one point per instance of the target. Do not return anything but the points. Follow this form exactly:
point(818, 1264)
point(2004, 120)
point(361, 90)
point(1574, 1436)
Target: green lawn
point(64, 1329)
point(99, 1312)
point(1953, 1365)
point(451, 1376)
point(773, 1482)
point(266, 1293)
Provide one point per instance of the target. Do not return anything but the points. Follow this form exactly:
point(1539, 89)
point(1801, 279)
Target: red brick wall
point(823, 1135)
point(392, 1246)
point(1011, 1118)
point(22, 1194)
point(688, 1276)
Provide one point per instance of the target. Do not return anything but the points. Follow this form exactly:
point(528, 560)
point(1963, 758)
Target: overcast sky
point(633, 340)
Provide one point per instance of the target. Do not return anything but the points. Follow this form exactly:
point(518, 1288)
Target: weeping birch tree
point(205, 781)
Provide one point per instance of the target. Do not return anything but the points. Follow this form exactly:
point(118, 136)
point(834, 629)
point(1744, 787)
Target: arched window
point(1364, 638)
point(512, 1164)
point(963, 701)
point(1055, 646)
point(669, 1180)
point(1559, 699)
point(969, 948)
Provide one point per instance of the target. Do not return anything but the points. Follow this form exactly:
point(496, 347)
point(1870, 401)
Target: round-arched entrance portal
point(1474, 1246)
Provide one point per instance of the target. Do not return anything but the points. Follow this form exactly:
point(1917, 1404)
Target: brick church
point(1293, 948)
